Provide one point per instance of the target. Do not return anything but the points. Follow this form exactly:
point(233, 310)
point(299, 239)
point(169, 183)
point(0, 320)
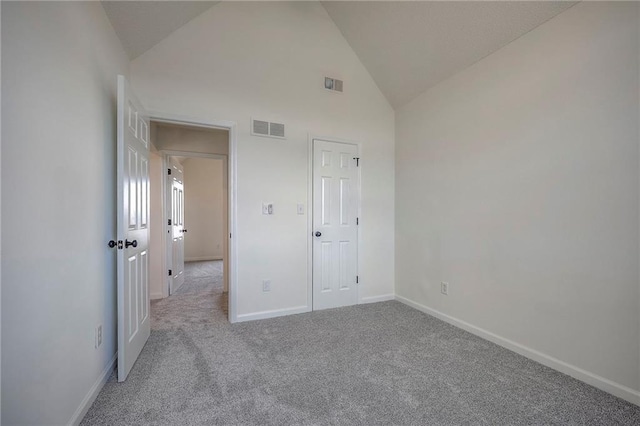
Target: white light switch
point(300, 208)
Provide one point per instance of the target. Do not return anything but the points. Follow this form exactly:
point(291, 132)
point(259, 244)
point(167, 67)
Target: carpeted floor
point(378, 364)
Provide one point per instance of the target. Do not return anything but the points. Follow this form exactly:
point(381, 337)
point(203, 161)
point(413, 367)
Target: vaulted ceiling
point(407, 46)
point(142, 24)
point(411, 46)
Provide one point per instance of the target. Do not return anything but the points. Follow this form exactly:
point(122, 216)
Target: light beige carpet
point(378, 364)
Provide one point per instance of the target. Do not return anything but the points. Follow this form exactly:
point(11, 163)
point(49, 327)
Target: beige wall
point(181, 138)
point(205, 194)
point(517, 183)
point(60, 61)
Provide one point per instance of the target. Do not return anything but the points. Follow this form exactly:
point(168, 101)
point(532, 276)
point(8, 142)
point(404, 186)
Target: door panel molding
point(175, 210)
point(336, 214)
point(132, 227)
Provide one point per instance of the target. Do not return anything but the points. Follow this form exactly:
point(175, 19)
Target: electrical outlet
point(444, 288)
point(266, 285)
point(98, 336)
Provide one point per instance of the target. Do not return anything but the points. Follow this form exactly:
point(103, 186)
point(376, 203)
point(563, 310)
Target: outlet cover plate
point(444, 288)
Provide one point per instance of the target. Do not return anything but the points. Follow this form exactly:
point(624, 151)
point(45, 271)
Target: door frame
point(166, 155)
point(232, 185)
point(310, 138)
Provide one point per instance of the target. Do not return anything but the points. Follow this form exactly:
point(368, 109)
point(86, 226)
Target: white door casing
point(133, 228)
point(176, 229)
point(335, 229)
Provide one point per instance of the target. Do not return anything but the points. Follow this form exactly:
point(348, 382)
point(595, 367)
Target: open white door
point(335, 220)
point(176, 223)
point(133, 228)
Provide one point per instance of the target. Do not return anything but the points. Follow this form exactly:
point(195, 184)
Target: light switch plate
point(300, 208)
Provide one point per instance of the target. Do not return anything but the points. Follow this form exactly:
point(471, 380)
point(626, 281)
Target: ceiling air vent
point(268, 129)
point(333, 84)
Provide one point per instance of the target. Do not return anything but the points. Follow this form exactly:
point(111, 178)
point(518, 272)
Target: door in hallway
point(132, 227)
point(176, 227)
point(335, 219)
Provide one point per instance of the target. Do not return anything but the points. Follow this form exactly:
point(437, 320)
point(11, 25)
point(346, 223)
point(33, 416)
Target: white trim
point(156, 296)
point(232, 167)
point(376, 299)
point(310, 221)
point(272, 314)
point(91, 396)
point(202, 258)
point(621, 391)
point(192, 154)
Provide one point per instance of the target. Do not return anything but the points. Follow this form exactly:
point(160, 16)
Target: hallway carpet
point(378, 364)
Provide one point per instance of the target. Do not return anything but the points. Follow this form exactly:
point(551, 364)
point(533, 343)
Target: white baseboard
point(155, 296)
point(272, 314)
point(621, 391)
point(200, 259)
point(376, 299)
point(93, 393)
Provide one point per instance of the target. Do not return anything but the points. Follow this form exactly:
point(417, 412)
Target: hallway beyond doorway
point(200, 300)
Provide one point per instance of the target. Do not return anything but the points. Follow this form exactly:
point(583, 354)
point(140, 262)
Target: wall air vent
point(260, 128)
point(276, 129)
point(333, 84)
point(267, 129)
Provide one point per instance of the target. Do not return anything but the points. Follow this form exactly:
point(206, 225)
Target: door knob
point(128, 243)
point(318, 233)
point(112, 244)
point(184, 230)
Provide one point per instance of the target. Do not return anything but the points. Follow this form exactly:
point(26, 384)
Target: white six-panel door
point(133, 228)
point(335, 232)
point(176, 215)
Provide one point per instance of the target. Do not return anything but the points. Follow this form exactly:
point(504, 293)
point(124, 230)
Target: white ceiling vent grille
point(333, 84)
point(268, 129)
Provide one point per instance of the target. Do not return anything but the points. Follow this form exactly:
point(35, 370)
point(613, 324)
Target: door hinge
point(357, 279)
point(168, 171)
point(357, 161)
point(229, 235)
point(169, 222)
point(170, 272)
point(120, 244)
point(357, 221)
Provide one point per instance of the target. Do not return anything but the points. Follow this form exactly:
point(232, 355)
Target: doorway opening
point(192, 195)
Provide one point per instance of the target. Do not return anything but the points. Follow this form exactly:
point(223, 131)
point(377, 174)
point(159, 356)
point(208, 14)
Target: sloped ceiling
point(410, 46)
point(142, 24)
point(407, 46)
